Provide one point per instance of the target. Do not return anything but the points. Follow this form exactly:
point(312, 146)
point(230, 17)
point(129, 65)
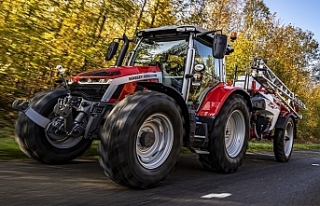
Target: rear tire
point(283, 141)
point(228, 140)
point(141, 141)
point(32, 139)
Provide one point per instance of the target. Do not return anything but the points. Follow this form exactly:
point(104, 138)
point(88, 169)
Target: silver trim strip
point(126, 79)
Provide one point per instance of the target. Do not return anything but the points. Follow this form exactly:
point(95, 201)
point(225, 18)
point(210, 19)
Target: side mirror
point(112, 49)
point(219, 45)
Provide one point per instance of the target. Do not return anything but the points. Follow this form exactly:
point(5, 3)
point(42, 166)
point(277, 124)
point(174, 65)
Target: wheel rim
point(235, 133)
point(154, 141)
point(61, 140)
point(288, 138)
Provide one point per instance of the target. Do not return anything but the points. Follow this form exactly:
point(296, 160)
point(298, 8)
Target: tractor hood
point(111, 73)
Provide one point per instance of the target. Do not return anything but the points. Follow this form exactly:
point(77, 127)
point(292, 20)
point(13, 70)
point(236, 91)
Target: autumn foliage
point(37, 35)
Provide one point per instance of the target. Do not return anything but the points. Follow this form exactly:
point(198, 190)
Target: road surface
point(260, 181)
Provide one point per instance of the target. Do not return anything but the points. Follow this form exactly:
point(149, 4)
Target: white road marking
point(315, 165)
point(215, 195)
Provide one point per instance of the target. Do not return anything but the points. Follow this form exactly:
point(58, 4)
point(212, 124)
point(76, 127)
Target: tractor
point(169, 92)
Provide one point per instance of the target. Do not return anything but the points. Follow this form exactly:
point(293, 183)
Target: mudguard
point(215, 98)
point(282, 120)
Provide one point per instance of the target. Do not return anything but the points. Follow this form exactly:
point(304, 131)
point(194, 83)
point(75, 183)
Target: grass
point(267, 145)
point(9, 149)
point(7, 132)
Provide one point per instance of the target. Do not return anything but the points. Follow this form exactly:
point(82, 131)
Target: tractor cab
point(190, 58)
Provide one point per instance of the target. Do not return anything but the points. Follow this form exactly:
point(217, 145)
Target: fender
point(215, 98)
point(283, 119)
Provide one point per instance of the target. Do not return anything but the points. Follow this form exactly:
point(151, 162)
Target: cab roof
point(172, 30)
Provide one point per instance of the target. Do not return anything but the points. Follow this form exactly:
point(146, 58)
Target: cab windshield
point(169, 55)
point(162, 53)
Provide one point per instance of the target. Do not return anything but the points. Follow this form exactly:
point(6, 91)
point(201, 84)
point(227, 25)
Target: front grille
point(92, 92)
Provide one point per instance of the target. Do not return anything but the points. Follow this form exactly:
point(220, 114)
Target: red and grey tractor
point(168, 92)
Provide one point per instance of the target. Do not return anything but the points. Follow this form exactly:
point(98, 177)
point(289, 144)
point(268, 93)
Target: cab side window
point(210, 74)
point(204, 56)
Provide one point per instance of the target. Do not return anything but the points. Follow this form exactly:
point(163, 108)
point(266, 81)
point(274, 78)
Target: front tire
point(228, 140)
point(33, 140)
point(141, 141)
point(283, 141)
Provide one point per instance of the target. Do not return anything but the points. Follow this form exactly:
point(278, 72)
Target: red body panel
point(128, 88)
point(215, 99)
point(114, 72)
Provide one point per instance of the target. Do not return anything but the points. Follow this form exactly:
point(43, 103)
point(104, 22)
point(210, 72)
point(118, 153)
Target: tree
point(36, 35)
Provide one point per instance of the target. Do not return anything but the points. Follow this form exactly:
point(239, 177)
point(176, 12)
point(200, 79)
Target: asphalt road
point(260, 181)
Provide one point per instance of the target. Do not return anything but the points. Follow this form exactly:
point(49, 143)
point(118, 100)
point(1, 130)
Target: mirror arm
point(188, 76)
point(229, 49)
point(123, 51)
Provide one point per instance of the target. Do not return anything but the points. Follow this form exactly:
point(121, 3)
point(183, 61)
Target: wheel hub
point(54, 131)
point(154, 141)
point(59, 138)
point(147, 139)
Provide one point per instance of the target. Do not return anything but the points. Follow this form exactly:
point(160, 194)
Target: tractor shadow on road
point(260, 156)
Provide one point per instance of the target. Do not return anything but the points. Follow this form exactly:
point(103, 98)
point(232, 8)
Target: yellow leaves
point(48, 36)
